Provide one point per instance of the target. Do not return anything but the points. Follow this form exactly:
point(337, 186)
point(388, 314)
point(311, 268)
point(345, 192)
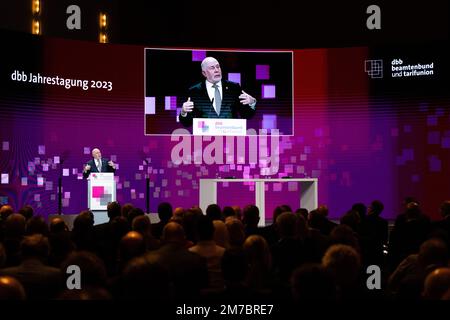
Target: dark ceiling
point(239, 23)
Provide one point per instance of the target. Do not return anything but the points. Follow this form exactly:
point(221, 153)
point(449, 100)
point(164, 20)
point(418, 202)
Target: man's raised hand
point(188, 106)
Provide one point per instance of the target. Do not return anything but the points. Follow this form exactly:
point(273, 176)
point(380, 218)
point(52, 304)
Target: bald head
point(173, 232)
point(57, 224)
point(211, 70)
point(5, 211)
point(96, 154)
point(132, 244)
point(132, 237)
point(11, 289)
point(207, 62)
point(179, 211)
point(437, 283)
point(15, 225)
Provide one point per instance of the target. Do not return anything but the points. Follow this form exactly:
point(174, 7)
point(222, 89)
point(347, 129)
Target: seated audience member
point(27, 211)
point(187, 271)
point(289, 252)
point(443, 226)
point(236, 233)
point(344, 263)
point(39, 280)
point(214, 212)
point(142, 225)
point(312, 282)
point(83, 231)
point(250, 219)
point(164, 214)
point(235, 270)
point(437, 283)
point(131, 245)
point(270, 232)
point(406, 282)
point(221, 236)
point(206, 247)
point(228, 212)
point(259, 260)
point(408, 234)
point(13, 233)
point(143, 278)
point(377, 234)
point(93, 271)
point(60, 243)
point(37, 225)
point(11, 289)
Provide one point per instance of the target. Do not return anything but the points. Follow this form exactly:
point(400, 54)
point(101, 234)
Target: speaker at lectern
point(101, 190)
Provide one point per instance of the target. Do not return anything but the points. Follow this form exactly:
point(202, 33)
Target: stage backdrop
point(369, 123)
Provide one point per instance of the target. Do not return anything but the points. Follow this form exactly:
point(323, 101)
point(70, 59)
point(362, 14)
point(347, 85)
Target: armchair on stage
point(101, 190)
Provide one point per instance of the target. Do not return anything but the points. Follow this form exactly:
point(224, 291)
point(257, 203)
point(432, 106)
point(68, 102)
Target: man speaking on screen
point(216, 98)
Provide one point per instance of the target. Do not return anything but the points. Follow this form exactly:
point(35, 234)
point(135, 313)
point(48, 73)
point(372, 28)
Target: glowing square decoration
point(5, 178)
point(262, 72)
point(434, 137)
point(41, 149)
point(170, 103)
point(5, 145)
point(65, 202)
point(98, 191)
point(292, 186)
point(66, 172)
point(445, 143)
point(198, 55)
point(269, 121)
point(86, 150)
point(234, 77)
point(66, 195)
point(277, 187)
point(56, 159)
point(40, 181)
point(435, 164)
point(268, 91)
point(150, 103)
point(24, 181)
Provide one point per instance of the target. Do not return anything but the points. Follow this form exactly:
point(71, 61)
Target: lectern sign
point(101, 190)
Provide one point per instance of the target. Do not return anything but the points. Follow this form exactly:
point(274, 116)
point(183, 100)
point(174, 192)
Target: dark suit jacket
point(188, 271)
point(39, 280)
point(105, 167)
point(203, 108)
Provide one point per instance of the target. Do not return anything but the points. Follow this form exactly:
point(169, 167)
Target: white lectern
point(101, 190)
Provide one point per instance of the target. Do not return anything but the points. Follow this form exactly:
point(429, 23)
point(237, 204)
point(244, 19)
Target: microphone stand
point(147, 188)
point(60, 188)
